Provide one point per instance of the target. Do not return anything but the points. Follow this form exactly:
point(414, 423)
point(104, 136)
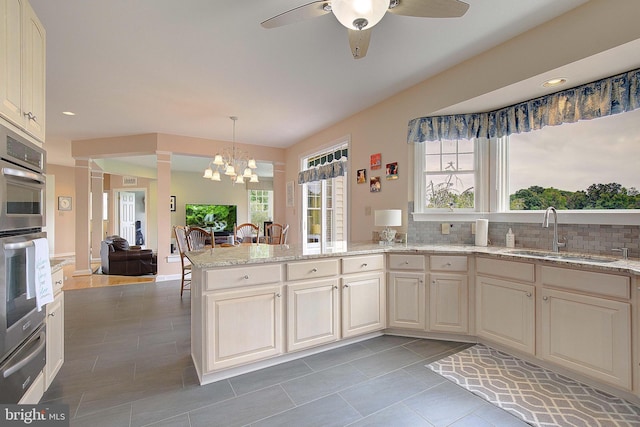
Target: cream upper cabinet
point(313, 313)
point(588, 334)
point(505, 303)
point(22, 67)
point(242, 326)
point(363, 304)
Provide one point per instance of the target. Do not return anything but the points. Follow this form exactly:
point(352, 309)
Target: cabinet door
point(55, 339)
point(505, 313)
point(407, 300)
point(363, 304)
point(242, 326)
point(449, 303)
point(11, 21)
point(33, 89)
point(312, 314)
point(587, 334)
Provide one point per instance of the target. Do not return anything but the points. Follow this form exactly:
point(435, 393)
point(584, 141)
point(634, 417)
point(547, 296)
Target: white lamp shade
point(208, 173)
point(388, 218)
point(239, 179)
point(230, 170)
point(348, 11)
point(217, 160)
point(252, 164)
point(247, 172)
point(254, 178)
point(215, 176)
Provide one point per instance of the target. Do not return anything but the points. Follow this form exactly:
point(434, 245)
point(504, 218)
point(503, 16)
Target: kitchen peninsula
point(258, 305)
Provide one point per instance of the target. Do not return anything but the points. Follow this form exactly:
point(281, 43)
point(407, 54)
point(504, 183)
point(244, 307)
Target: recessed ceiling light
point(68, 113)
point(554, 82)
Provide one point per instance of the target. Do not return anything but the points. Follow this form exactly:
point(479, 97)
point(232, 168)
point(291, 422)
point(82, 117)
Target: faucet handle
point(625, 252)
point(562, 242)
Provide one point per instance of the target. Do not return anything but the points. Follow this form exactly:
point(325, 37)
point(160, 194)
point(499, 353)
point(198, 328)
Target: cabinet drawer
point(360, 264)
point(448, 263)
point(407, 262)
point(522, 271)
point(245, 276)
point(312, 269)
point(608, 285)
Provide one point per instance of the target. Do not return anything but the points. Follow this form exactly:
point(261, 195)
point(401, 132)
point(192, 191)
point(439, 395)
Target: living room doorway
point(129, 213)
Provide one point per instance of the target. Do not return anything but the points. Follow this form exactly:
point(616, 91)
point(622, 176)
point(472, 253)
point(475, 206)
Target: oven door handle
point(33, 353)
point(23, 175)
point(18, 245)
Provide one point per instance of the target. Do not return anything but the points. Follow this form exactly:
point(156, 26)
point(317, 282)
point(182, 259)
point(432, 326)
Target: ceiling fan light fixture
point(359, 14)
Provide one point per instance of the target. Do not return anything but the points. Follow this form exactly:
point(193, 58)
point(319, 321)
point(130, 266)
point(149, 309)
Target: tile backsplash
point(591, 239)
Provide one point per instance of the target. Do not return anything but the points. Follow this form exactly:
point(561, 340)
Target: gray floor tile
point(179, 421)
point(386, 342)
point(326, 412)
point(319, 384)
point(444, 404)
point(386, 361)
point(118, 416)
point(434, 348)
point(168, 405)
point(396, 415)
point(337, 356)
point(498, 417)
point(419, 371)
point(472, 420)
point(243, 410)
point(269, 376)
point(381, 392)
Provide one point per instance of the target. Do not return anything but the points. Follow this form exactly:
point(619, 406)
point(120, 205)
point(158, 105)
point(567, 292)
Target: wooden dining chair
point(180, 234)
point(199, 238)
point(275, 234)
point(246, 233)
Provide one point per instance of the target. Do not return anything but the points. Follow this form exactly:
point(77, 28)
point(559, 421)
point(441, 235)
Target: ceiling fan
point(359, 16)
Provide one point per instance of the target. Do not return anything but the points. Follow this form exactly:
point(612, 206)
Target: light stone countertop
point(262, 253)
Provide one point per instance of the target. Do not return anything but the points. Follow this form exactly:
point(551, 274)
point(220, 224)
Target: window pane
point(449, 146)
point(449, 191)
point(590, 164)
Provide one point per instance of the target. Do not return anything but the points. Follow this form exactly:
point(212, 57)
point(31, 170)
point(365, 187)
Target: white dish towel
point(39, 283)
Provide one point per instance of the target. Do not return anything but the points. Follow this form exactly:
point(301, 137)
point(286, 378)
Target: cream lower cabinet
point(407, 300)
point(449, 303)
point(587, 334)
point(448, 294)
point(55, 339)
point(313, 313)
point(243, 326)
point(505, 313)
point(363, 304)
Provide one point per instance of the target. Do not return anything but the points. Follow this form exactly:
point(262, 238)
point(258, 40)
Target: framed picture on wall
point(375, 185)
point(290, 194)
point(64, 203)
point(376, 161)
point(361, 176)
point(392, 170)
point(172, 203)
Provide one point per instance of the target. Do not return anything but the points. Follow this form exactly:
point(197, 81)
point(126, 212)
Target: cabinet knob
point(545, 298)
point(364, 264)
point(406, 262)
point(58, 282)
point(31, 116)
point(346, 286)
point(528, 294)
point(448, 264)
point(335, 287)
point(52, 314)
point(246, 277)
point(278, 295)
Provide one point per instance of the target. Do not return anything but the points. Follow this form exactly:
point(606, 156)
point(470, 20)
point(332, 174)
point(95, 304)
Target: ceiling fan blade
point(359, 42)
point(300, 13)
point(429, 8)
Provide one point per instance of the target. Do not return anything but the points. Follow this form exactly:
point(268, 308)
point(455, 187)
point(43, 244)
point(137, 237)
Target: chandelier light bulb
point(252, 164)
point(208, 173)
point(359, 14)
point(230, 170)
point(239, 179)
point(254, 178)
point(217, 160)
point(215, 176)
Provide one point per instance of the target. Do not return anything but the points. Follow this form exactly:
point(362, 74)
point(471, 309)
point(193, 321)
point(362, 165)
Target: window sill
point(599, 217)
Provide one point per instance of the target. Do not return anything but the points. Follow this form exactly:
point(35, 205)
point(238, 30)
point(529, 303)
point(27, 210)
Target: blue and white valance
point(325, 171)
point(613, 95)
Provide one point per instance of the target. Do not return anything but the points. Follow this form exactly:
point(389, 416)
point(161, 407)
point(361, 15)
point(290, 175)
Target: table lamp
point(388, 218)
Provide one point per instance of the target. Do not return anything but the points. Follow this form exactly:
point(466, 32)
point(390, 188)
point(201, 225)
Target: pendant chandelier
point(234, 163)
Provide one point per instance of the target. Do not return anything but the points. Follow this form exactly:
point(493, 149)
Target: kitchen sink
point(563, 257)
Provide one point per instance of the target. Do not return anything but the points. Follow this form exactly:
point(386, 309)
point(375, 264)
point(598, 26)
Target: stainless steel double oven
point(22, 213)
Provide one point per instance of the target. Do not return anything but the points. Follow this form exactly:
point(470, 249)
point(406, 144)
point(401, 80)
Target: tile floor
point(128, 364)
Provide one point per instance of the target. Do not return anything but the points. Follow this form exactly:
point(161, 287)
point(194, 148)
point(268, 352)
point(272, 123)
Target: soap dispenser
point(511, 239)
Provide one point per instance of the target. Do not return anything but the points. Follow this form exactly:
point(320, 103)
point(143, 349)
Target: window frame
point(492, 194)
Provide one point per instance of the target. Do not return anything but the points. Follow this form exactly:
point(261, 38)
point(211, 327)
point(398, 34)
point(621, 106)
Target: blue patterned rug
point(536, 395)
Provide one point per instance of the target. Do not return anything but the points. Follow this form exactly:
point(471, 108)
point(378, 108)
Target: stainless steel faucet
point(545, 223)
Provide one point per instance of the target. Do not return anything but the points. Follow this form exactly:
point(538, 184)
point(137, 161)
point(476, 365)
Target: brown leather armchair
point(119, 258)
